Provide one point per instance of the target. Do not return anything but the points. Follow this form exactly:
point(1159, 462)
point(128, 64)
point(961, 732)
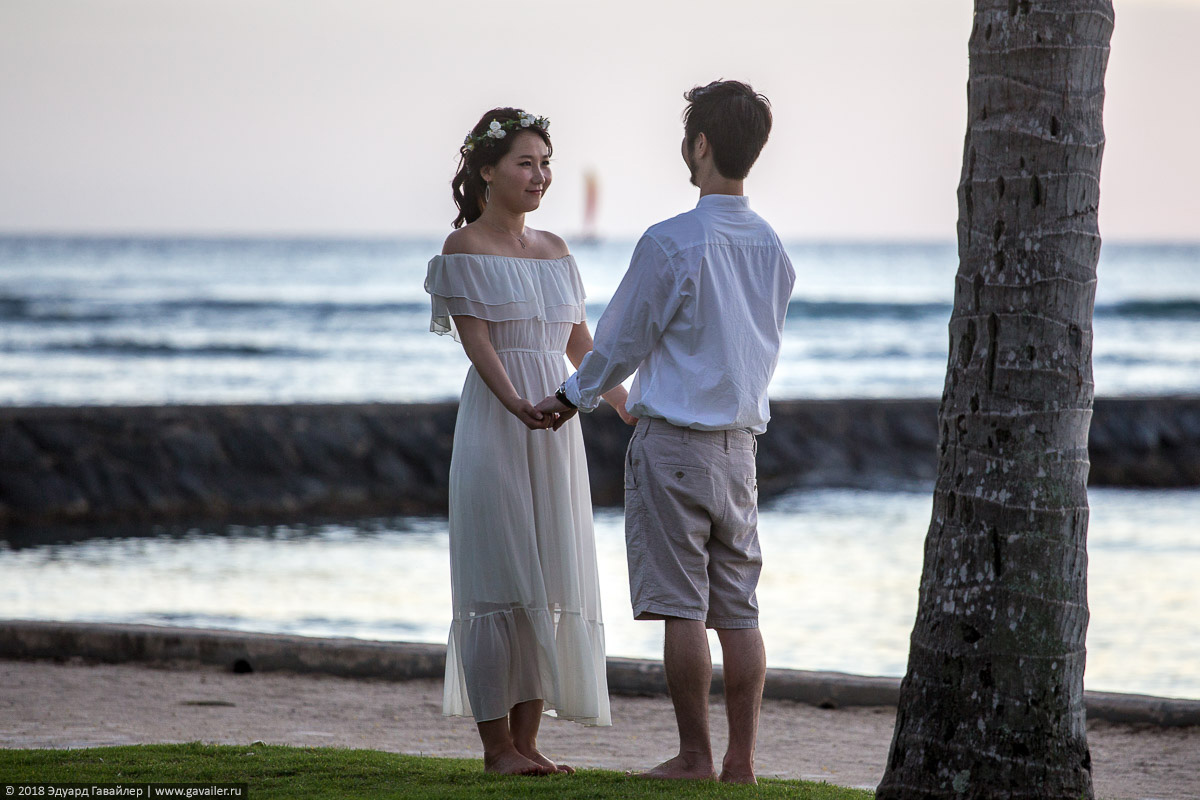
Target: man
point(699, 315)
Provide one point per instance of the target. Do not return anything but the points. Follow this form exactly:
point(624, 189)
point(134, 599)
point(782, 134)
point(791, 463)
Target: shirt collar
point(728, 202)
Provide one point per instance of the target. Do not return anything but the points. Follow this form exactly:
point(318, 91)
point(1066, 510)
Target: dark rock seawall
point(162, 463)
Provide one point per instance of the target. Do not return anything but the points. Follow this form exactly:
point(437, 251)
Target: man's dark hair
point(734, 118)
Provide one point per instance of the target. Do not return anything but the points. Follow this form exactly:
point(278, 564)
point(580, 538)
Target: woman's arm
point(475, 340)
point(579, 345)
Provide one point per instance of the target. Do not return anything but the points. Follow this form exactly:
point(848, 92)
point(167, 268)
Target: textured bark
point(992, 703)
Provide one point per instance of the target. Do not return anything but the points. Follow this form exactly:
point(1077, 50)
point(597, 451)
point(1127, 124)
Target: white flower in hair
point(496, 130)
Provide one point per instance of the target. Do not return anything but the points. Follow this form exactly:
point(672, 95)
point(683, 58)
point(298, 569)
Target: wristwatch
point(561, 396)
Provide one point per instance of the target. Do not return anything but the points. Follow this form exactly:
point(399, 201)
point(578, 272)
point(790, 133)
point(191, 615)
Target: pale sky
point(299, 117)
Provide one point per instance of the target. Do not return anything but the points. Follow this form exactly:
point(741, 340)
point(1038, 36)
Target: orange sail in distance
point(591, 204)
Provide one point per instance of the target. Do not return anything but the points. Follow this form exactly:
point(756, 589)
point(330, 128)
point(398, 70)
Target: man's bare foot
point(730, 776)
point(737, 770)
point(536, 757)
point(680, 768)
point(510, 762)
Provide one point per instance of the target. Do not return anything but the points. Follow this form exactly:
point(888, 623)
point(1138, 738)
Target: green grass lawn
point(311, 772)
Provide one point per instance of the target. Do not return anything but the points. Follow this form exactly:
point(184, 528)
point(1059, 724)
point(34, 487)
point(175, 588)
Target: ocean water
point(149, 321)
point(133, 321)
point(838, 592)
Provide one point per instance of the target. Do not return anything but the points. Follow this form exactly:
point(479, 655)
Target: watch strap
point(561, 396)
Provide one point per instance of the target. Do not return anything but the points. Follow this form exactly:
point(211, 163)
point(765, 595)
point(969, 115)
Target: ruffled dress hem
point(525, 654)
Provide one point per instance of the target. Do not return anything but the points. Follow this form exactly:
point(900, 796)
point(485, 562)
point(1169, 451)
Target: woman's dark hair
point(734, 118)
point(468, 184)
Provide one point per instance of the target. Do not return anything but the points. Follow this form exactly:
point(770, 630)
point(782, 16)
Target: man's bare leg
point(524, 720)
point(500, 754)
point(689, 677)
point(745, 672)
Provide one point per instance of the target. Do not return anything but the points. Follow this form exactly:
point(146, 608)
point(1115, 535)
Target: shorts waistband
point(732, 438)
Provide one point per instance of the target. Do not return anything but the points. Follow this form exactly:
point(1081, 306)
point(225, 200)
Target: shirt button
point(678, 474)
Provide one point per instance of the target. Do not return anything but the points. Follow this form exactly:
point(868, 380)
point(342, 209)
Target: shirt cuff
point(573, 393)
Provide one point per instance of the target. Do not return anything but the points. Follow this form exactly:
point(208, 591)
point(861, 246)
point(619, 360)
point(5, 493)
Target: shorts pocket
point(630, 465)
point(680, 473)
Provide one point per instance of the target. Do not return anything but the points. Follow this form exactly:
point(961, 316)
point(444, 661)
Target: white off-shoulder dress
point(526, 594)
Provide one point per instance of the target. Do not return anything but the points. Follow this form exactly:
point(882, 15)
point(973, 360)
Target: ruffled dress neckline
point(503, 289)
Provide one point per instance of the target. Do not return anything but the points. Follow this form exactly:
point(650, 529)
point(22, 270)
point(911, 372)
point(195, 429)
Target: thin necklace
point(520, 239)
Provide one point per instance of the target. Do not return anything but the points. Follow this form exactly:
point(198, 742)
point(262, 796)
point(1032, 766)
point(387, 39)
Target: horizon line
point(576, 238)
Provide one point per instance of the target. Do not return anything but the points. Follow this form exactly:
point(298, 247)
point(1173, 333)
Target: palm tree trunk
point(992, 703)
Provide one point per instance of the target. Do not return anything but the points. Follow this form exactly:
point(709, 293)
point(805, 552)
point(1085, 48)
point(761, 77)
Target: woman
point(527, 634)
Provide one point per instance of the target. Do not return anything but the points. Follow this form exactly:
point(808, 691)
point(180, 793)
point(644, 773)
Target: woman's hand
point(533, 419)
point(558, 413)
point(476, 341)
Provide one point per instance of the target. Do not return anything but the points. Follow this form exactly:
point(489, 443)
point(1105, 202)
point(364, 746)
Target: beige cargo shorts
point(691, 524)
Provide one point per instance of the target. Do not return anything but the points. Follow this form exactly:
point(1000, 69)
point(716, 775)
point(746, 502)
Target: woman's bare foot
point(510, 762)
point(538, 758)
point(681, 768)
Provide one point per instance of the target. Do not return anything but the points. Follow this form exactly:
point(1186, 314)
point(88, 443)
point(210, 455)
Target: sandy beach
point(76, 704)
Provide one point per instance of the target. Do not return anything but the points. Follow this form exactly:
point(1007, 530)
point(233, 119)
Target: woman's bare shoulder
point(552, 245)
point(467, 239)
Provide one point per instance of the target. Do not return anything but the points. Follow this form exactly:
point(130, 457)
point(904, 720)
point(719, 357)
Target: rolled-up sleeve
point(640, 309)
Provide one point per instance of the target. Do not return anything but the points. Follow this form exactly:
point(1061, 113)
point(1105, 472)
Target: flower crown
point(498, 130)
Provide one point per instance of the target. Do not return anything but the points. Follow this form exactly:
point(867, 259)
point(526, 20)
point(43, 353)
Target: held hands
point(556, 411)
point(542, 415)
point(553, 413)
point(533, 419)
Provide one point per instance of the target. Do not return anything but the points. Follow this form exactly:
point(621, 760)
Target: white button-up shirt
point(699, 315)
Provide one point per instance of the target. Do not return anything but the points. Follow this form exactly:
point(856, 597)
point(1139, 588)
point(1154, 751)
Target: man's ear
point(700, 148)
